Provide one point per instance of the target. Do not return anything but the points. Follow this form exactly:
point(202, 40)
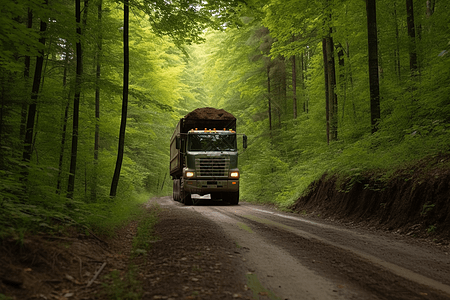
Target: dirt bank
point(414, 201)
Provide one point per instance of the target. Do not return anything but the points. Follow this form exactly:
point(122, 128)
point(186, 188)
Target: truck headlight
point(234, 174)
point(189, 174)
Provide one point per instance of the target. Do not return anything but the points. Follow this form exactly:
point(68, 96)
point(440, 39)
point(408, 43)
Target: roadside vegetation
point(296, 74)
point(299, 79)
point(90, 94)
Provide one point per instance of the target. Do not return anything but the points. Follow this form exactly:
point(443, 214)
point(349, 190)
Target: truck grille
point(212, 166)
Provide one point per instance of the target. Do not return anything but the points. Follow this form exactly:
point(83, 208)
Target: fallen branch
point(96, 274)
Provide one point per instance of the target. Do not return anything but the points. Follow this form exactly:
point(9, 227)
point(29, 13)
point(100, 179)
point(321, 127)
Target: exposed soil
point(414, 201)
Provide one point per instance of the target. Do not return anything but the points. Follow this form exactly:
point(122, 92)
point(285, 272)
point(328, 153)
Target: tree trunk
point(397, 46)
point(412, 37)
point(26, 75)
point(97, 101)
point(65, 120)
point(373, 64)
point(28, 141)
point(430, 7)
point(341, 59)
point(269, 98)
point(123, 123)
point(325, 71)
point(303, 71)
point(332, 97)
point(294, 86)
point(76, 103)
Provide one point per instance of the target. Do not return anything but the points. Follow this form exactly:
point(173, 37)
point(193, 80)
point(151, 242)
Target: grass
point(123, 287)
point(145, 231)
point(129, 286)
point(106, 217)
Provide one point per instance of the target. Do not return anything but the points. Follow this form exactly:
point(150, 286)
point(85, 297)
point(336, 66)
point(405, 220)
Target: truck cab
point(205, 161)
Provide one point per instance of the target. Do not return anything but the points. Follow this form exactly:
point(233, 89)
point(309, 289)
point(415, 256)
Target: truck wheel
point(176, 190)
point(233, 198)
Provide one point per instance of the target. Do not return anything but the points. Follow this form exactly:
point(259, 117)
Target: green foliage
point(426, 208)
point(281, 163)
point(106, 216)
point(431, 229)
point(32, 195)
point(3, 297)
point(145, 231)
point(125, 286)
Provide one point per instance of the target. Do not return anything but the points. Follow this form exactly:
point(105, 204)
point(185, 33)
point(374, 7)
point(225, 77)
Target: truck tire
point(176, 190)
point(233, 198)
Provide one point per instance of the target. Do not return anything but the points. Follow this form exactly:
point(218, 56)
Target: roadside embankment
point(414, 200)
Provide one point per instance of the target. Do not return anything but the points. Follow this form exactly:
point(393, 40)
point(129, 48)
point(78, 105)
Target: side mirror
point(178, 142)
point(244, 141)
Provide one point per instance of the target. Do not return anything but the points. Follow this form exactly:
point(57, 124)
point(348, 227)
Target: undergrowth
point(54, 216)
point(283, 180)
point(128, 286)
point(145, 231)
point(123, 287)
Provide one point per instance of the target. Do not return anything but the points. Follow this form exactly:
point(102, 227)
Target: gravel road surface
point(286, 256)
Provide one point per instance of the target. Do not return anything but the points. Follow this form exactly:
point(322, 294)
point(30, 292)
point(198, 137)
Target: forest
point(91, 90)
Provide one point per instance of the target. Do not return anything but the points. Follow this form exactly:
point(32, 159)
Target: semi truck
point(204, 156)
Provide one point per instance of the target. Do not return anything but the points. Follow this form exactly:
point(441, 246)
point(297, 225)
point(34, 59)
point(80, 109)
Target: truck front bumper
point(203, 186)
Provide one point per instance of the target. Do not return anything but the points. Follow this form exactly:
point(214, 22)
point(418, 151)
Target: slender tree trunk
point(397, 46)
point(34, 96)
point(373, 64)
point(61, 151)
point(65, 120)
point(332, 97)
point(26, 75)
point(412, 37)
point(430, 7)
point(303, 70)
point(325, 71)
point(294, 86)
point(123, 123)
point(76, 103)
point(341, 60)
point(269, 98)
point(97, 101)
point(283, 91)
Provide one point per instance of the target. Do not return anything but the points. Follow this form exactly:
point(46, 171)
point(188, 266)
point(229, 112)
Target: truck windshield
point(212, 142)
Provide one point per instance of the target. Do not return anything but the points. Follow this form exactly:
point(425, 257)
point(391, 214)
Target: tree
point(97, 98)
point(28, 142)
point(76, 100)
point(372, 39)
point(412, 36)
point(294, 86)
point(123, 123)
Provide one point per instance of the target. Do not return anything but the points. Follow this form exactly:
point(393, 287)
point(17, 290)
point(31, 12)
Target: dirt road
point(286, 256)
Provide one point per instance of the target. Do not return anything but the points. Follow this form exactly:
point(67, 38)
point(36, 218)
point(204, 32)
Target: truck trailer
point(204, 156)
